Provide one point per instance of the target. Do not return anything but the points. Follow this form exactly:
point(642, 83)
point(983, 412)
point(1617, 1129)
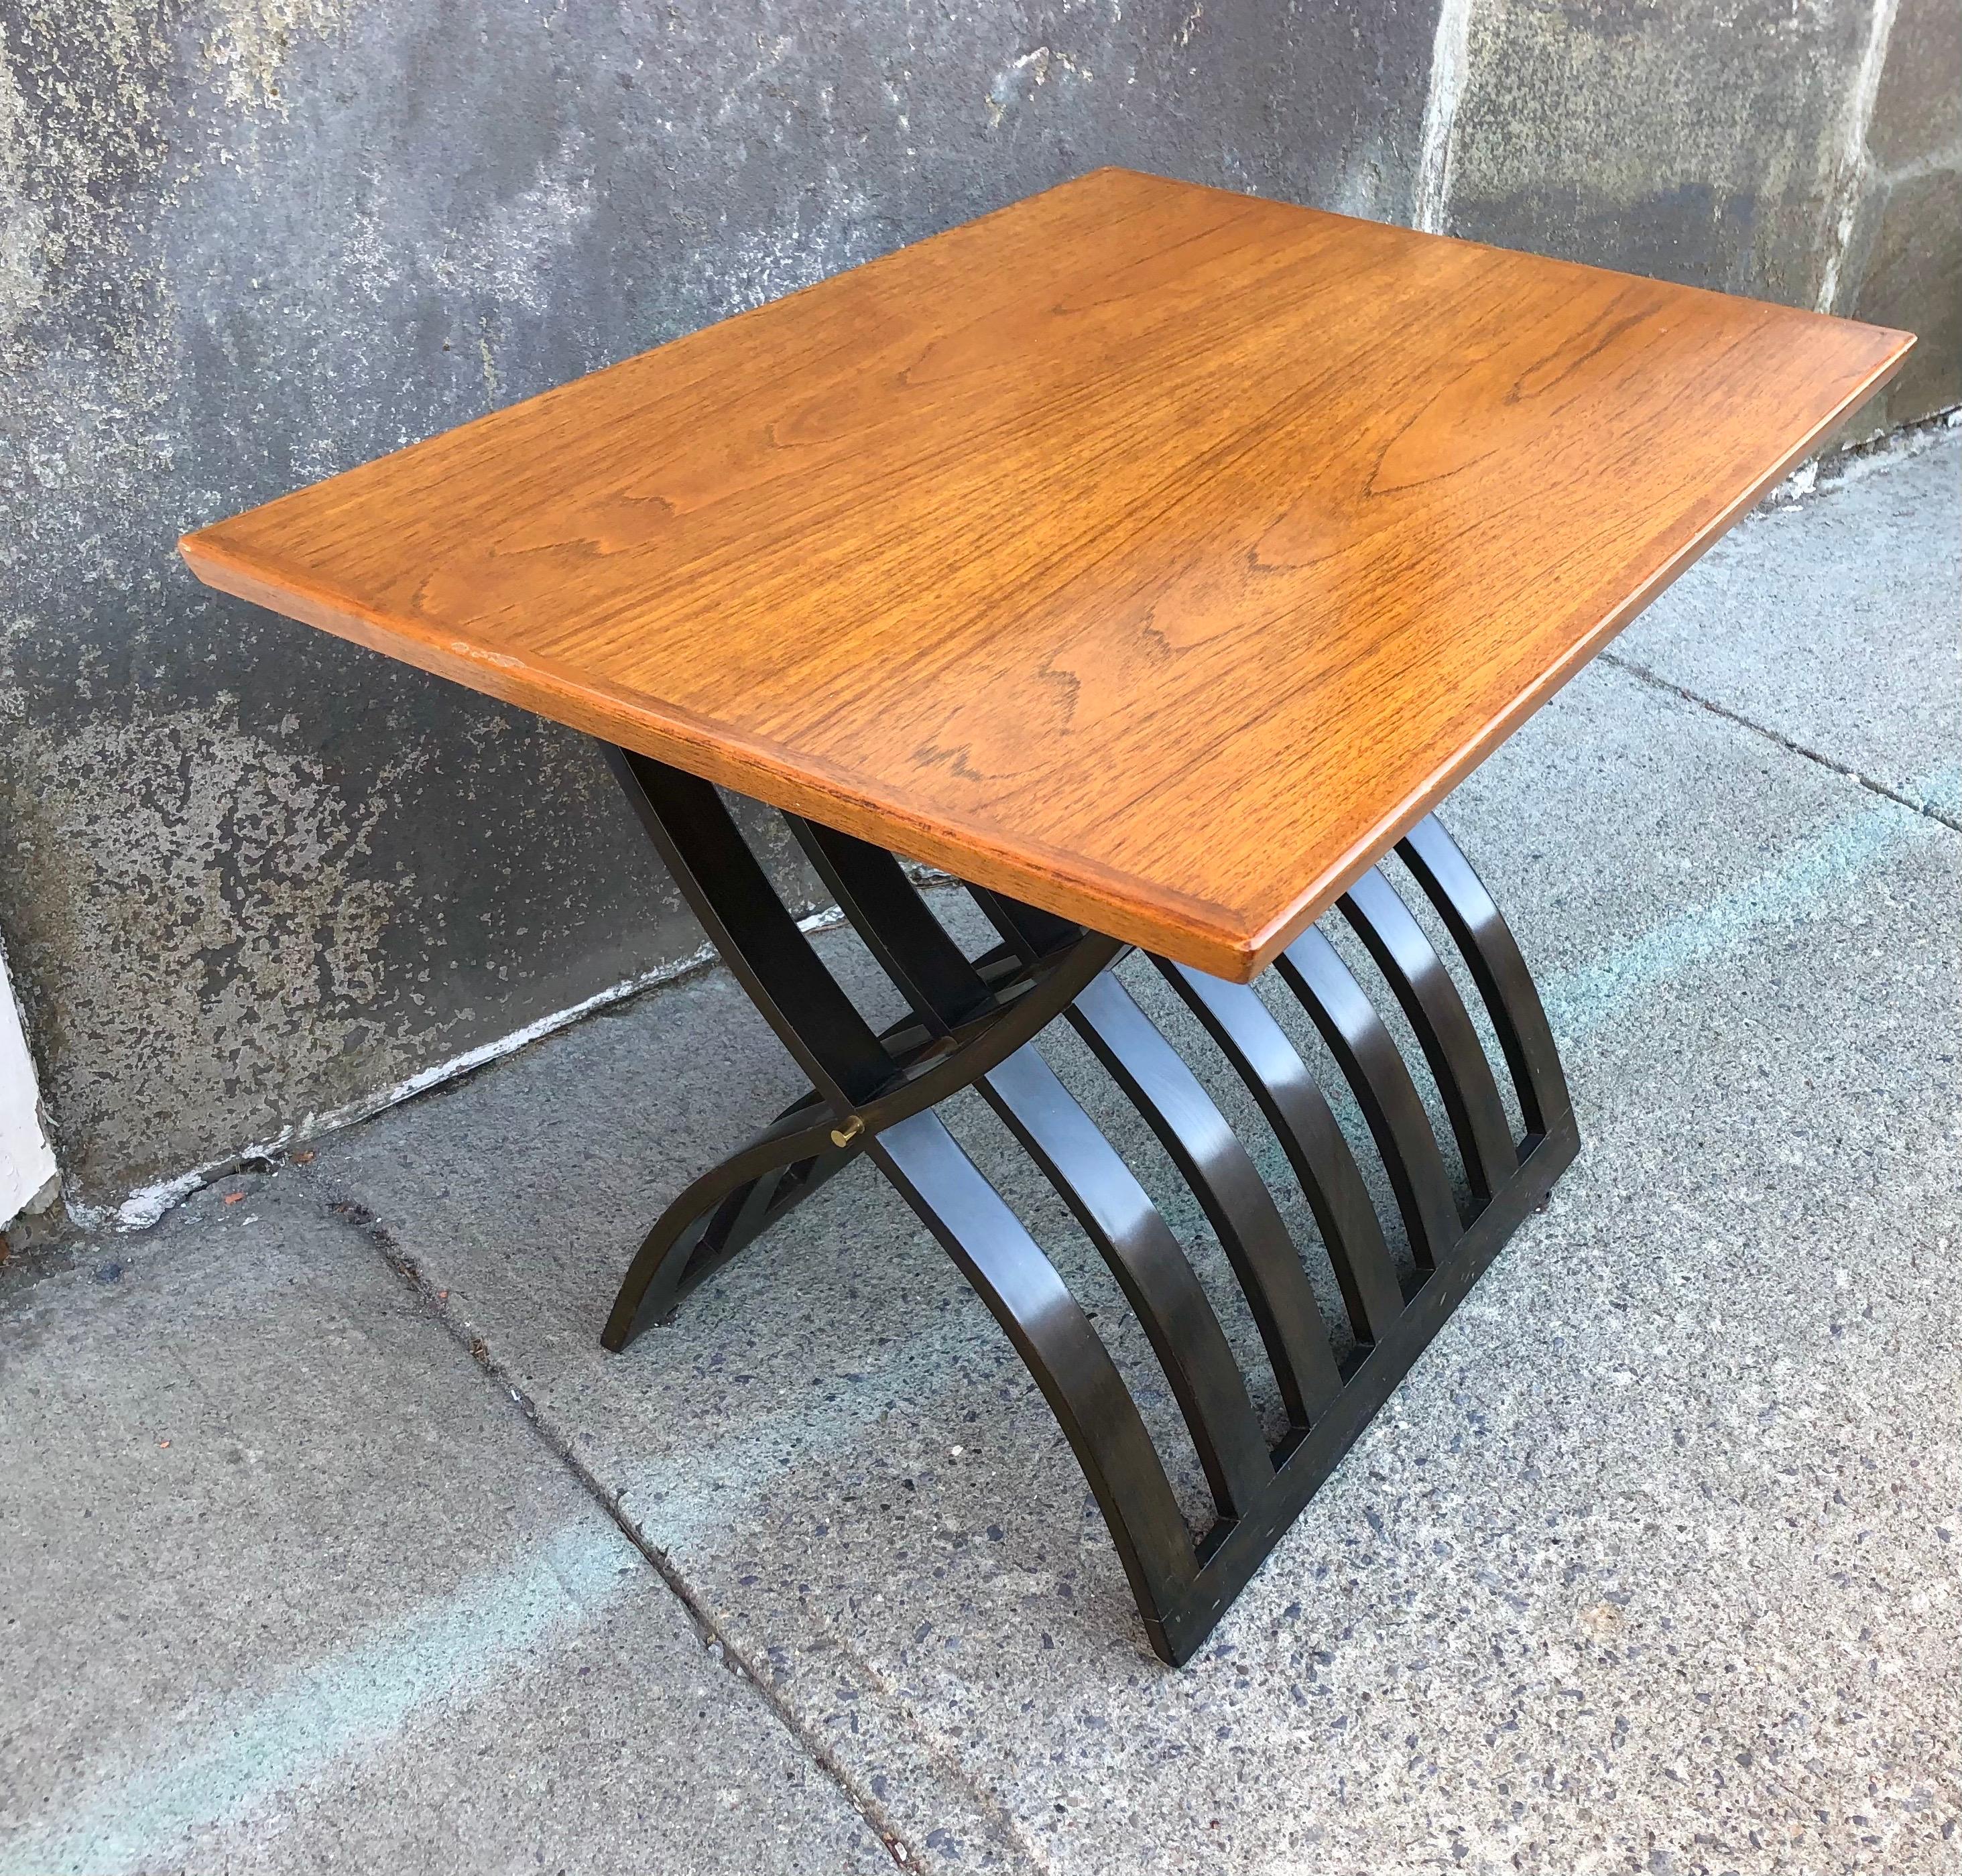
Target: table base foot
point(973, 1024)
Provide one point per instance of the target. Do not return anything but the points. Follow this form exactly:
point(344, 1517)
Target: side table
point(1153, 560)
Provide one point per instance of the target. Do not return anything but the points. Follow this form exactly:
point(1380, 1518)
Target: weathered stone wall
point(249, 875)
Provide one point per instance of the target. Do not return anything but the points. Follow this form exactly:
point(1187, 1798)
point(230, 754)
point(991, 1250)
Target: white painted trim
point(1450, 57)
point(26, 1160)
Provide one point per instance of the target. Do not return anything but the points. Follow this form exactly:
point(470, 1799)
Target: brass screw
point(849, 1132)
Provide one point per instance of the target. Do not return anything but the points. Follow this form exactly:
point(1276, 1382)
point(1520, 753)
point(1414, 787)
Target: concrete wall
point(248, 875)
point(1807, 151)
point(1903, 223)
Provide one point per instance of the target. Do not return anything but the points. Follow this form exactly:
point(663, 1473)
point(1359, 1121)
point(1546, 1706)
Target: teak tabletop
point(1154, 555)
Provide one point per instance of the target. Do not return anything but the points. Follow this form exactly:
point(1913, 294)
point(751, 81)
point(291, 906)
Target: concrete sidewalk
point(334, 1540)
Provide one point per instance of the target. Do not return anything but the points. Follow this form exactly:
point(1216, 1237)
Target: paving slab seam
point(349, 1212)
point(1642, 672)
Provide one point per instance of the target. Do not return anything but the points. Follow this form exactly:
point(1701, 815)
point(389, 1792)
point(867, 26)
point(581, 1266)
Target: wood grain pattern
point(1156, 554)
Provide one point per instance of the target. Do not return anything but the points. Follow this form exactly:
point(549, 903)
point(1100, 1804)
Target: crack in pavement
point(349, 1212)
point(1622, 661)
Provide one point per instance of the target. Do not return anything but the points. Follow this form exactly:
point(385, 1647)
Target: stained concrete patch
point(1651, 1564)
point(1909, 274)
point(292, 1585)
point(1835, 623)
point(1913, 281)
point(1694, 143)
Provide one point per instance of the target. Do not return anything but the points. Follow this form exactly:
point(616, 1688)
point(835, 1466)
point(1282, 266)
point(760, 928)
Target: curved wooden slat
point(1061, 1350)
point(1368, 1057)
point(1437, 1016)
point(1212, 1160)
point(653, 1279)
point(945, 989)
point(775, 963)
point(1118, 1215)
point(1492, 954)
point(911, 946)
point(1259, 1050)
point(755, 935)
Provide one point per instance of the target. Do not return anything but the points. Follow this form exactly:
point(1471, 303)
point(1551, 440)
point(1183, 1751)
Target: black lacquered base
point(973, 1023)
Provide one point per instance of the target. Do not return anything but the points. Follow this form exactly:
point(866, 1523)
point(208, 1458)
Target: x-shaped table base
point(973, 1023)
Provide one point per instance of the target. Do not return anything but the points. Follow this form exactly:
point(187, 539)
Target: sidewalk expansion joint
point(344, 1208)
point(1623, 663)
